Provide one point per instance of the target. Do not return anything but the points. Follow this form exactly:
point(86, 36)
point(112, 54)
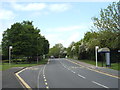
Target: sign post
point(96, 51)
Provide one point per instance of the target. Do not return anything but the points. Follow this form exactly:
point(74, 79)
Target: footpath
point(100, 69)
point(9, 80)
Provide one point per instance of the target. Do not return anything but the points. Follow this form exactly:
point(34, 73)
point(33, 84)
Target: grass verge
point(113, 65)
point(5, 66)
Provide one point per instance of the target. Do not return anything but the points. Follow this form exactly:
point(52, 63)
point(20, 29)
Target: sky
point(60, 22)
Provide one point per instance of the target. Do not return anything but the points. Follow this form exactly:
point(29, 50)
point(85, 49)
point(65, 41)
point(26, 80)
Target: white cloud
point(65, 35)
point(76, 36)
point(40, 6)
point(29, 7)
point(63, 38)
point(59, 7)
point(6, 14)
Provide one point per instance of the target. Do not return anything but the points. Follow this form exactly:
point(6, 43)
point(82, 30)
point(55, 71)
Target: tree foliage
point(105, 33)
point(57, 50)
point(25, 39)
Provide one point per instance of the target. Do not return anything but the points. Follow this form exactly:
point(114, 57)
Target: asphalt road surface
point(60, 73)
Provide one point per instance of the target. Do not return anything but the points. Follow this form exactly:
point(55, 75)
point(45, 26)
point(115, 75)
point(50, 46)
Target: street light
point(10, 48)
point(96, 50)
point(37, 50)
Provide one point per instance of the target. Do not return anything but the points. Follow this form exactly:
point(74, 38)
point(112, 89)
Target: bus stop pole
point(96, 51)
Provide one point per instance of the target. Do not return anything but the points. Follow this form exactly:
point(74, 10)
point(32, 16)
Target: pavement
point(9, 80)
point(101, 69)
point(63, 73)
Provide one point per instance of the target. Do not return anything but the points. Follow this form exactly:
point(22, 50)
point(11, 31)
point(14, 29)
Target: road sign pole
point(96, 48)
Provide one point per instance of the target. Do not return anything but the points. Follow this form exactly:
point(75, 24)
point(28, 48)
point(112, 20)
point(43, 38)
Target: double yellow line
point(22, 81)
point(95, 70)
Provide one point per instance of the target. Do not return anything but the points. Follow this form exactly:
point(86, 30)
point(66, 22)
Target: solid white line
point(39, 76)
point(81, 76)
point(100, 84)
point(44, 70)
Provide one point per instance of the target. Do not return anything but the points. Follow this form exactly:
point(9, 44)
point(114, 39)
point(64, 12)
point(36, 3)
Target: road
point(61, 73)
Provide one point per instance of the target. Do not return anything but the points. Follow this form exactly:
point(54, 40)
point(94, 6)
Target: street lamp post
point(37, 50)
point(96, 51)
point(10, 47)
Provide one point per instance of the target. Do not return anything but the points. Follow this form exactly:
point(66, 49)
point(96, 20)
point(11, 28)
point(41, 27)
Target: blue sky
point(60, 22)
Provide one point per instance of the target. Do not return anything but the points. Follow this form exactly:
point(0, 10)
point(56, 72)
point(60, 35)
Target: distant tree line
point(26, 40)
point(58, 51)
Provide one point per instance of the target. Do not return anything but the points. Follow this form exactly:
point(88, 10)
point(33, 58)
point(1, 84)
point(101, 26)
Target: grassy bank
point(5, 66)
point(113, 65)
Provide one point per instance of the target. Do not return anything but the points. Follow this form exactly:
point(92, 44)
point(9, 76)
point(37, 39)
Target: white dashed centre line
point(100, 84)
point(81, 76)
point(72, 71)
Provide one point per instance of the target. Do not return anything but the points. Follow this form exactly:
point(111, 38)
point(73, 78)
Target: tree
point(57, 50)
point(104, 33)
point(69, 50)
point(25, 39)
point(108, 26)
point(108, 20)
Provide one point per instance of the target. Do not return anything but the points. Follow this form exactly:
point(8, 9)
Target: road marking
point(39, 77)
point(72, 71)
point(44, 70)
point(45, 80)
point(48, 62)
point(100, 84)
point(47, 87)
point(81, 76)
point(94, 70)
point(68, 68)
point(46, 84)
point(63, 65)
point(22, 81)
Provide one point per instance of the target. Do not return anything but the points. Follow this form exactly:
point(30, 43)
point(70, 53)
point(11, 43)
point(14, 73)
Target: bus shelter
point(107, 55)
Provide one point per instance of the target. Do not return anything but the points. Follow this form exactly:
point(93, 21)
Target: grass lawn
point(5, 66)
point(113, 65)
